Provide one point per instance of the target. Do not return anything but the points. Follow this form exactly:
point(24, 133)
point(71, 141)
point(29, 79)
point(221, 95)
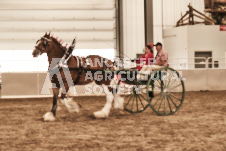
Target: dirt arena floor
point(200, 124)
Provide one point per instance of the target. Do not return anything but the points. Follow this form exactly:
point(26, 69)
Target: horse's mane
point(59, 42)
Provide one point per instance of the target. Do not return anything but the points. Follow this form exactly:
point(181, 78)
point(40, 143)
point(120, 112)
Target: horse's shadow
point(87, 116)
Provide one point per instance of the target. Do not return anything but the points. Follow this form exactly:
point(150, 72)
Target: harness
point(80, 69)
point(68, 54)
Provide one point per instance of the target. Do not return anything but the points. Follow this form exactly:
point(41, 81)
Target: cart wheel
point(168, 91)
point(135, 97)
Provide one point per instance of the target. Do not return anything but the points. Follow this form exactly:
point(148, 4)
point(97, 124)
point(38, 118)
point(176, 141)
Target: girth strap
point(80, 69)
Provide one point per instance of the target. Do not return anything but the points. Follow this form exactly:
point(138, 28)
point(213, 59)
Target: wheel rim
point(135, 97)
point(168, 91)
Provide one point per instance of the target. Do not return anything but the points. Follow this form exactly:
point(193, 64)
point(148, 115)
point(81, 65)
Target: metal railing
point(197, 63)
point(36, 65)
point(186, 63)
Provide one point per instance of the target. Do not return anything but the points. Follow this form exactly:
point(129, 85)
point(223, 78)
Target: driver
point(161, 60)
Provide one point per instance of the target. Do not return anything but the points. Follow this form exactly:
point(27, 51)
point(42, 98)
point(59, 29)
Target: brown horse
point(77, 71)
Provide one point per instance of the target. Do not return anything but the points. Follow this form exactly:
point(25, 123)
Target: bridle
point(46, 42)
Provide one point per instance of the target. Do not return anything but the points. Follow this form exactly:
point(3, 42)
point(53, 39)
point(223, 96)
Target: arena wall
point(31, 84)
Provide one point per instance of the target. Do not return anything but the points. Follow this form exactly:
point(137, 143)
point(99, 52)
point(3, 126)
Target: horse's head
point(41, 45)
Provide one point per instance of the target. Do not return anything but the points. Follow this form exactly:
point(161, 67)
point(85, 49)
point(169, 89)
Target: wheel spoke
point(129, 100)
point(164, 104)
point(160, 104)
point(169, 80)
point(157, 87)
point(128, 95)
point(169, 103)
point(175, 80)
point(157, 101)
point(175, 86)
point(159, 83)
point(162, 85)
point(156, 84)
point(174, 96)
point(165, 83)
point(137, 103)
point(140, 101)
point(167, 89)
point(165, 78)
point(171, 83)
point(132, 104)
point(173, 101)
point(142, 96)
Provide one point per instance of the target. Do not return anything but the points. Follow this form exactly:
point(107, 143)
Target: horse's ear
point(46, 33)
point(49, 33)
point(74, 41)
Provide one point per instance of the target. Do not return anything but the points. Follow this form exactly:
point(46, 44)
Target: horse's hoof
point(49, 117)
point(100, 114)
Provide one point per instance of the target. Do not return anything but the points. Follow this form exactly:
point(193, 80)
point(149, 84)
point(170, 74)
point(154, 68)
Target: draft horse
point(77, 71)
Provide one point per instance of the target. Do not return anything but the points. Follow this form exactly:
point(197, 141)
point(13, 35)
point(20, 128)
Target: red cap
point(150, 44)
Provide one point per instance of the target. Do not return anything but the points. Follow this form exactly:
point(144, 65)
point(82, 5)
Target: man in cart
point(161, 60)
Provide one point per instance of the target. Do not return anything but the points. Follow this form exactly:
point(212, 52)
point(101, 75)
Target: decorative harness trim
point(80, 69)
point(78, 61)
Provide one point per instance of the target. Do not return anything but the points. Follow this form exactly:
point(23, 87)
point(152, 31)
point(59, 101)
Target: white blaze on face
point(35, 50)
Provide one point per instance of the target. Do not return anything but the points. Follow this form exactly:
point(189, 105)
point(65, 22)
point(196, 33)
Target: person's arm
point(141, 59)
point(163, 59)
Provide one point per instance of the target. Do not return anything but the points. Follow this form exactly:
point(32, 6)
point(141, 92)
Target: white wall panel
point(22, 22)
point(65, 36)
point(59, 4)
point(88, 44)
point(133, 27)
point(57, 25)
point(6, 14)
point(184, 41)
